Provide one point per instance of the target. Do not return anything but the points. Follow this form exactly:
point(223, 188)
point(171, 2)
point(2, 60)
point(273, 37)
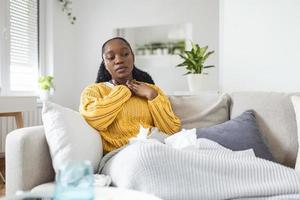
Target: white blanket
point(202, 170)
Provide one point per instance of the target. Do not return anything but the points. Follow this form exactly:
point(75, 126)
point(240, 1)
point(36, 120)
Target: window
point(20, 52)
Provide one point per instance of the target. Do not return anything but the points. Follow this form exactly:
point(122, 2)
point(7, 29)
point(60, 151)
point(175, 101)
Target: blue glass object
point(75, 181)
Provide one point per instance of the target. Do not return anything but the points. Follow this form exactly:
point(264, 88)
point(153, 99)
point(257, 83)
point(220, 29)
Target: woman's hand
point(142, 89)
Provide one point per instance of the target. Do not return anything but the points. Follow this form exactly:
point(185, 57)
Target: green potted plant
point(193, 61)
point(45, 86)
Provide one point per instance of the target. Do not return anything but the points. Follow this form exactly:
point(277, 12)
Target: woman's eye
point(125, 54)
point(110, 58)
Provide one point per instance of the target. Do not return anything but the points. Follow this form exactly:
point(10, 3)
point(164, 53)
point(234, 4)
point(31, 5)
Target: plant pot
point(44, 95)
point(196, 82)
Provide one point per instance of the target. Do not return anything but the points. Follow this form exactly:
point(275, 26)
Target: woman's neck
point(120, 81)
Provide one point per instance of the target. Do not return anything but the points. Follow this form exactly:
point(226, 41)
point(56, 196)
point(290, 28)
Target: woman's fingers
point(140, 89)
point(135, 82)
point(132, 87)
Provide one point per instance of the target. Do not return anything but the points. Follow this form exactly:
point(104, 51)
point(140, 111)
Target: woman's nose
point(119, 59)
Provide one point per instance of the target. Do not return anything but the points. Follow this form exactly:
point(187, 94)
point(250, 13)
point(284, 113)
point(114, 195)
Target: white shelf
point(156, 56)
point(17, 103)
point(154, 61)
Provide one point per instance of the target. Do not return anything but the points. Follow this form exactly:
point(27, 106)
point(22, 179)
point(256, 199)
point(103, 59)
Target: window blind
point(23, 44)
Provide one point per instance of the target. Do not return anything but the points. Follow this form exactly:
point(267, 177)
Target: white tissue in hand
point(143, 133)
point(152, 135)
point(158, 135)
point(183, 139)
point(141, 136)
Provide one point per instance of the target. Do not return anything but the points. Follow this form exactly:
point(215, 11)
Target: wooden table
point(18, 117)
point(15, 105)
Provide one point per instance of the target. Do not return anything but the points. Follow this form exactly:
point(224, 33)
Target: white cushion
point(69, 136)
point(296, 103)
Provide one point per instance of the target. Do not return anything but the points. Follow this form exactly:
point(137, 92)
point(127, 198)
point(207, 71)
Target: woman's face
point(118, 59)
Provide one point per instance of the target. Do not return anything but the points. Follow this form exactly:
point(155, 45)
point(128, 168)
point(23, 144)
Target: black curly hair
point(137, 74)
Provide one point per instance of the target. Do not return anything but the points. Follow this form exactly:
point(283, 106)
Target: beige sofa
point(28, 162)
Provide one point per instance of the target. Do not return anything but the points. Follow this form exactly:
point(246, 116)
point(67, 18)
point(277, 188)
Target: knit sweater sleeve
point(100, 110)
point(164, 117)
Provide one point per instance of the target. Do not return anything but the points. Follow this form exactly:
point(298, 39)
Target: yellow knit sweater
point(117, 114)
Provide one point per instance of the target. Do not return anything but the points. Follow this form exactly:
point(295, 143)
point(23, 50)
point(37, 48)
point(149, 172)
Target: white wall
point(260, 45)
point(258, 40)
point(65, 70)
point(60, 55)
point(98, 18)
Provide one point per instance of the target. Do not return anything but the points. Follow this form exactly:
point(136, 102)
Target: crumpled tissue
point(186, 138)
point(149, 135)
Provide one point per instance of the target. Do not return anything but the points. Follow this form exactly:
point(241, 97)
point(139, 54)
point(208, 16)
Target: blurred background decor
point(66, 8)
point(45, 87)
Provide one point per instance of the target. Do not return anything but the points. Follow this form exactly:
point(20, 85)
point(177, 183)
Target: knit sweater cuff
point(158, 99)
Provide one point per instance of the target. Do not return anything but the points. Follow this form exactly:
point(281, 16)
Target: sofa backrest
point(275, 116)
point(203, 110)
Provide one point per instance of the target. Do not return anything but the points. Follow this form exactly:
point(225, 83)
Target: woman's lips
point(121, 69)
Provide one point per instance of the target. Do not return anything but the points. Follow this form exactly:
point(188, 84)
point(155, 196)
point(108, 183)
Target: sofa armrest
point(27, 159)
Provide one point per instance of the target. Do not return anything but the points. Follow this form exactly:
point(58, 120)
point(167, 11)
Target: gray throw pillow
point(238, 134)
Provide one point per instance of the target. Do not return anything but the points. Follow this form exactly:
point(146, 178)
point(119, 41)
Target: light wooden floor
point(2, 169)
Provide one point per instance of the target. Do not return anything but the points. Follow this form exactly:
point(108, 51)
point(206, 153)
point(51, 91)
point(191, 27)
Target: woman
point(124, 98)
